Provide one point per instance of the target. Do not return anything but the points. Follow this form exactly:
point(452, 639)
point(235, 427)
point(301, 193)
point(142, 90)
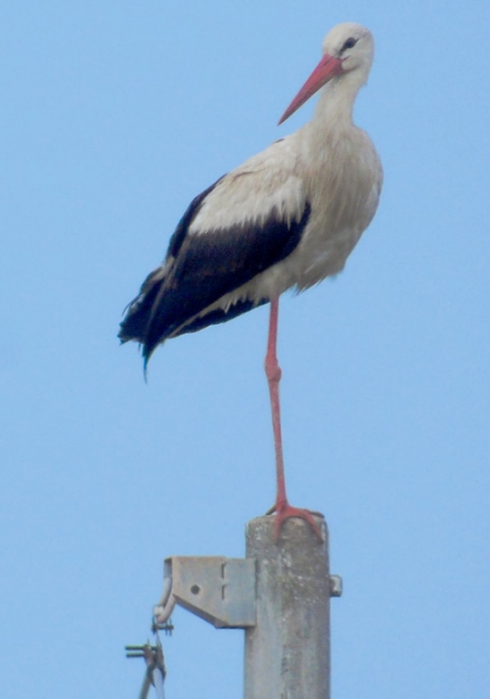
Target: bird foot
point(285, 511)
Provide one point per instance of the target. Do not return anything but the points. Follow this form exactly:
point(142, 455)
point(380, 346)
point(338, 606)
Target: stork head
point(351, 44)
point(348, 49)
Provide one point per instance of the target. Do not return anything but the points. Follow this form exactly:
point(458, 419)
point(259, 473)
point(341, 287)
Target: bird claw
point(285, 511)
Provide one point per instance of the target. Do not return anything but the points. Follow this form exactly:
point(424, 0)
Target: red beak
point(327, 69)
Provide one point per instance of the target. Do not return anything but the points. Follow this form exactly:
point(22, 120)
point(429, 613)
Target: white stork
point(287, 218)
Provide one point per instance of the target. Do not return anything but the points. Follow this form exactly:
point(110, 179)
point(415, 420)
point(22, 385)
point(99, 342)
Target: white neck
point(336, 101)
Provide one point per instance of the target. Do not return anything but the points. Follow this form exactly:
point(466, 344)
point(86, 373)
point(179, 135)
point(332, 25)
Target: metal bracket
point(219, 590)
point(336, 586)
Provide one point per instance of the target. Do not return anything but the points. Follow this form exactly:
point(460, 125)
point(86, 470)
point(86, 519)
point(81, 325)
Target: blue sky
point(114, 115)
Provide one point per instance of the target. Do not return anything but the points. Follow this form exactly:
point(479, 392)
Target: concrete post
point(287, 652)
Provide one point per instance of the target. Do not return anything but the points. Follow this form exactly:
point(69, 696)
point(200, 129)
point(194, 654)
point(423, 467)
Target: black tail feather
point(138, 313)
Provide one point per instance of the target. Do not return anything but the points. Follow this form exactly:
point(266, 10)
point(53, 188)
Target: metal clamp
point(155, 667)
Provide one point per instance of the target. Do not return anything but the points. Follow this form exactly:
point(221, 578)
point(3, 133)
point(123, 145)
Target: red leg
point(273, 372)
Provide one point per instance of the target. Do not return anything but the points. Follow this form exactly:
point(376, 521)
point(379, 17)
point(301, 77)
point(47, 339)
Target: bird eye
point(349, 44)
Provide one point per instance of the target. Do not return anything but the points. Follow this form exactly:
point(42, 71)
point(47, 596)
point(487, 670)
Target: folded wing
point(243, 224)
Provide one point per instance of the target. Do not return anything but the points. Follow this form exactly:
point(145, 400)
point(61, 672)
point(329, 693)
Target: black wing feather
point(206, 267)
point(139, 310)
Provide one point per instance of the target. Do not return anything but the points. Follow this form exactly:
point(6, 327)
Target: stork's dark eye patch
point(349, 44)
